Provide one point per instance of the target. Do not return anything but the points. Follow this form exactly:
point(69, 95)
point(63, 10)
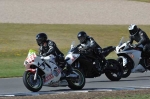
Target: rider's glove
point(44, 54)
point(135, 45)
point(80, 48)
point(128, 41)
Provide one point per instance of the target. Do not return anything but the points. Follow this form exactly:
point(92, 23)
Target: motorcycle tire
point(126, 69)
point(72, 82)
point(117, 75)
point(30, 83)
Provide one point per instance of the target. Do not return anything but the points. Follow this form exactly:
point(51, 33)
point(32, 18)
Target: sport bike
point(43, 71)
point(131, 58)
point(87, 63)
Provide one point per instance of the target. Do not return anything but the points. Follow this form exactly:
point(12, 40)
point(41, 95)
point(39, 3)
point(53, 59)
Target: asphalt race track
point(15, 86)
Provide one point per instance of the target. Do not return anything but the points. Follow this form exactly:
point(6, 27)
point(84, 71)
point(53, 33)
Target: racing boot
point(148, 64)
point(103, 61)
point(97, 65)
point(104, 64)
point(68, 71)
point(64, 71)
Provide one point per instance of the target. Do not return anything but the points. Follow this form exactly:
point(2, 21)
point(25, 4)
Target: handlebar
point(128, 43)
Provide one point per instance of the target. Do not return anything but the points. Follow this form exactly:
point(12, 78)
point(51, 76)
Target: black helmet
point(82, 36)
point(133, 29)
point(41, 38)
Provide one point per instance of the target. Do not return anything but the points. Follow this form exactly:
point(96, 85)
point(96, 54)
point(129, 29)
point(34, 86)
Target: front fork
point(77, 64)
point(124, 60)
point(35, 75)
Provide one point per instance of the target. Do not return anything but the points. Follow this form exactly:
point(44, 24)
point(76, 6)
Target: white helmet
point(133, 29)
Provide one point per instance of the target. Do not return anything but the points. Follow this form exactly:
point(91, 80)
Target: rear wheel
point(76, 83)
point(126, 69)
point(30, 83)
point(114, 71)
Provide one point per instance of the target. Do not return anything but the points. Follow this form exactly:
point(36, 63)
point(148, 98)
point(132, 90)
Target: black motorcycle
point(92, 65)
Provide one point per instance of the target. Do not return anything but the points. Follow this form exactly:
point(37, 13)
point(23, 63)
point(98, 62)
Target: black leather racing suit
point(51, 48)
point(141, 38)
point(91, 46)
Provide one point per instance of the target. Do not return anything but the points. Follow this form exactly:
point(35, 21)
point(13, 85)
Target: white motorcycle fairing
point(135, 55)
point(71, 57)
point(47, 64)
point(43, 71)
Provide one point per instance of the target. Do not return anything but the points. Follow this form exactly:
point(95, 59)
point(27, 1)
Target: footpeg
point(63, 83)
point(72, 76)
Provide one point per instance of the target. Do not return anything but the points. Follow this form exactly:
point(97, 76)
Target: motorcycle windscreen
point(123, 40)
point(30, 57)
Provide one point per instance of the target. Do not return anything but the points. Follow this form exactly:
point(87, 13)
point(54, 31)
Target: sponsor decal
point(131, 55)
point(72, 58)
point(56, 72)
point(49, 77)
point(30, 58)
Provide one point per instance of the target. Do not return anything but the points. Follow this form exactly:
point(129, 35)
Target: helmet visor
point(81, 39)
point(39, 41)
point(133, 32)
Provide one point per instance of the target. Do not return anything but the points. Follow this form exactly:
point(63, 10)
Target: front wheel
point(126, 69)
point(76, 83)
point(30, 83)
point(114, 71)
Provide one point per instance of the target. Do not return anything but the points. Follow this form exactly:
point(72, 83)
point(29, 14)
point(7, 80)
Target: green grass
point(129, 97)
point(127, 94)
point(17, 39)
point(122, 94)
point(138, 96)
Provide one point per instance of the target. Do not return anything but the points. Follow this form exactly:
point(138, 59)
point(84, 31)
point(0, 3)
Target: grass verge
point(124, 94)
point(17, 39)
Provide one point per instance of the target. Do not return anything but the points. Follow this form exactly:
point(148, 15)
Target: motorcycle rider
point(88, 43)
point(48, 47)
point(140, 37)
